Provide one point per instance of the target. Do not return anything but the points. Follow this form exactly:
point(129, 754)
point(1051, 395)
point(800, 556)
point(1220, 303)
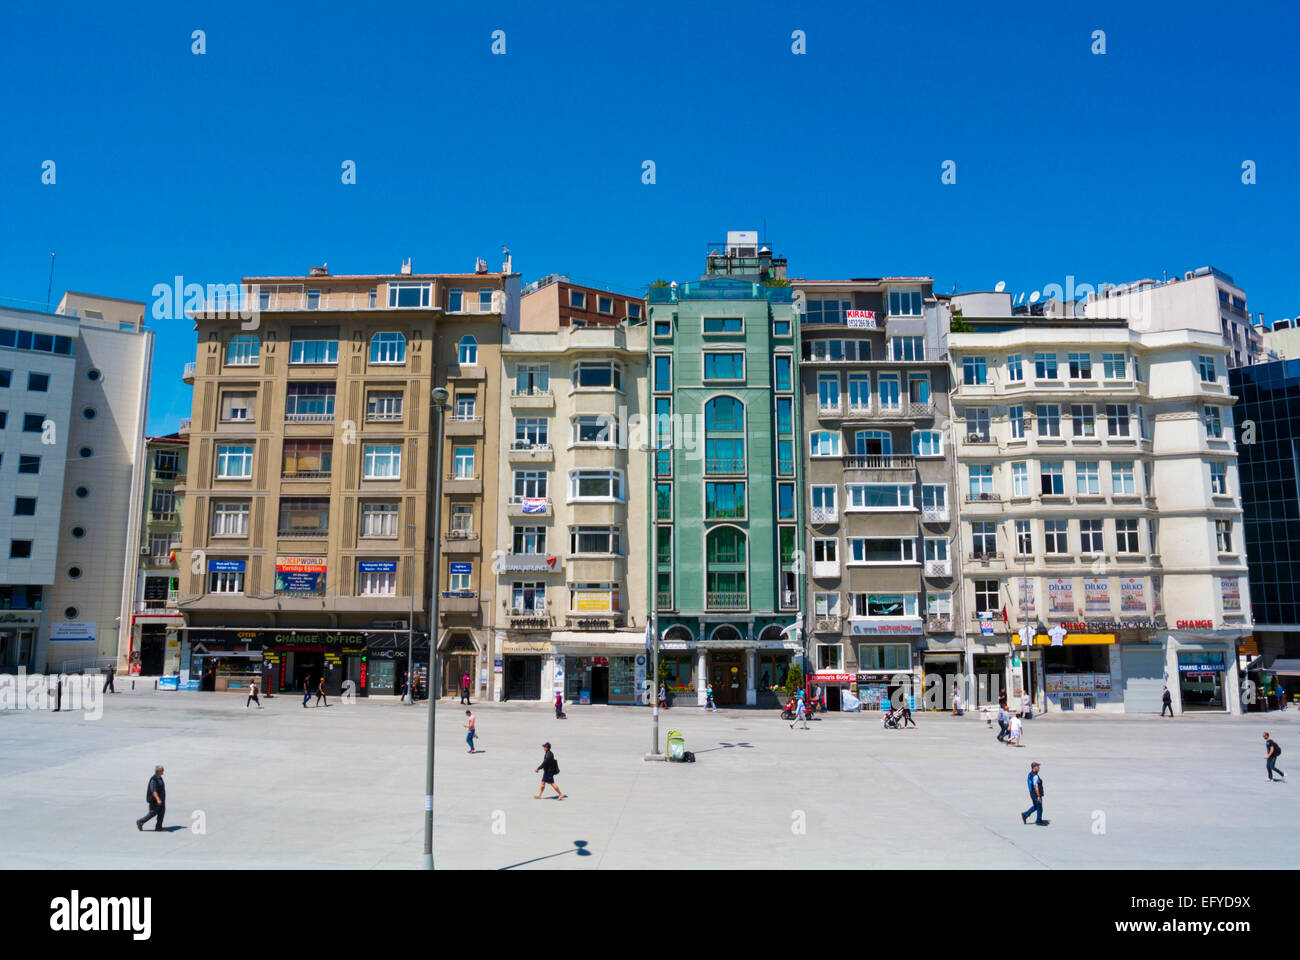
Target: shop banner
point(1103, 686)
point(1132, 595)
point(1060, 595)
point(1027, 599)
point(1096, 595)
point(300, 575)
point(1231, 589)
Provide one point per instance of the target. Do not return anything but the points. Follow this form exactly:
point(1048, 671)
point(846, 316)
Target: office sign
point(71, 631)
point(527, 563)
point(878, 628)
point(860, 319)
point(226, 566)
point(377, 566)
point(465, 568)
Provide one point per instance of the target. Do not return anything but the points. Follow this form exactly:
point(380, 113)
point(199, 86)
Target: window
point(388, 347)
point(859, 392)
point(724, 366)
point(38, 382)
point(907, 348)
point(462, 520)
point(986, 596)
point(1015, 368)
point(6, 377)
point(577, 300)
point(1090, 536)
point(529, 540)
point(226, 576)
point(1114, 366)
point(460, 578)
point(823, 503)
point(1219, 479)
point(24, 506)
point(462, 461)
point(378, 519)
point(785, 458)
point(878, 496)
point(784, 364)
point(307, 459)
point(455, 299)
point(485, 300)
point(884, 604)
point(595, 484)
point(1087, 477)
point(1080, 366)
point(1222, 535)
point(830, 656)
point(237, 405)
point(162, 501)
point(528, 597)
point(904, 303)
point(384, 461)
point(1122, 482)
point(1213, 423)
point(663, 328)
point(594, 428)
point(724, 325)
point(927, 443)
point(243, 350)
point(20, 549)
point(826, 550)
point(977, 424)
point(235, 462)
point(530, 484)
point(1117, 424)
point(664, 501)
point(828, 311)
point(633, 310)
point(1045, 366)
point(1083, 416)
point(376, 578)
point(309, 401)
point(1126, 535)
point(1020, 479)
point(888, 390)
point(314, 345)
point(532, 379)
point(33, 422)
point(828, 391)
point(1052, 478)
point(165, 463)
point(466, 407)
point(974, 371)
point(531, 433)
point(724, 501)
point(882, 550)
point(1016, 420)
point(412, 295)
point(1024, 538)
point(1049, 420)
point(984, 538)
point(467, 351)
point(382, 405)
point(602, 540)
point(230, 518)
point(28, 463)
point(918, 388)
point(824, 443)
point(605, 305)
point(725, 545)
point(826, 604)
point(784, 416)
point(936, 549)
point(304, 517)
point(598, 375)
point(981, 481)
point(1206, 366)
point(663, 372)
point(1056, 536)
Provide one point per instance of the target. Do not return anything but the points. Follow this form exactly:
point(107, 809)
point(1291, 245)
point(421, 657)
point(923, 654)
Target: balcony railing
point(461, 535)
point(824, 515)
point(529, 446)
point(310, 418)
point(934, 515)
point(187, 374)
point(303, 533)
point(306, 475)
point(184, 426)
point(726, 600)
point(938, 622)
point(724, 465)
point(466, 418)
point(539, 506)
point(984, 556)
point(456, 476)
point(162, 516)
point(880, 462)
point(983, 496)
point(157, 606)
point(830, 623)
point(664, 600)
point(532, 392)
point(830, 409)
point(938, 568)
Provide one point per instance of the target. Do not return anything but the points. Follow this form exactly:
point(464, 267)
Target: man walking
point(464, 690)
point(1274, 751)
point(108, 679)
point(800, 713)
point(156, 795)
point(1166, 703)
point(1035, 798)
point(1004, 718)
point(470, 732)
point(306, 691)
point(320, 692)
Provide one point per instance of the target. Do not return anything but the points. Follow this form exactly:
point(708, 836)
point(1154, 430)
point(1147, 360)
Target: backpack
point(688, 757)
point(1277, 751)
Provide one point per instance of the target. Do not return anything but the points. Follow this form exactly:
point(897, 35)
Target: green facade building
point(725, 565)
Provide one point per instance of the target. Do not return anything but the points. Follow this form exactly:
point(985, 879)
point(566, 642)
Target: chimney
point(505, 264)
point(480, 265)
point(406, 265)
point(322, 271)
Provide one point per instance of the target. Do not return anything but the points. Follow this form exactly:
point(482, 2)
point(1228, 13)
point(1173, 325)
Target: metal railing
point(938, 568)
point(306, 474)
point(162, 516)
point(880, 462)
point(301, 533)
point(824, 515)
point(309, 418)
point(726, 600)
point(984, 496)
point(532, 392)
point(191, 368)
point(934, 514)
point(665, 600)
point(724, 465)
point(527, 446)
point(383, 417)
point(461, 535)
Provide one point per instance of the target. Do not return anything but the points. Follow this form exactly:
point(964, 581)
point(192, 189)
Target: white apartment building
point(1101, 512)
point(74, 391)
point(1204, 299)
point(571, 576)
point(1283, 339)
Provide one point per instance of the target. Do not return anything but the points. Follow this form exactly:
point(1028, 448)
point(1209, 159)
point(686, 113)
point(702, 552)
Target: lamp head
point(440, 396)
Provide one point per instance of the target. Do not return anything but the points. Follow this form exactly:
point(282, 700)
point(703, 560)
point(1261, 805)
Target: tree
point(793, 680)
point(958, 325)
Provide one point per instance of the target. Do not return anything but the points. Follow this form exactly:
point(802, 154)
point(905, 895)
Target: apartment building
point(311, 475)
point(1100, 511)
point(571, 612)
point(1282, 340)
point(724, 533)
point(156, 618)
point(1204, 299)
point(74, 388)
point(878, 465)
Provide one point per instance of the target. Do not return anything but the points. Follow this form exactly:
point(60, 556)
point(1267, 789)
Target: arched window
point(388, 347)
point(726, 581)
point(724, 436)
point(467, 350)
point(872, 443)
point(726, 633)
point(771, 634)
point(243, 350)
point(678, 633)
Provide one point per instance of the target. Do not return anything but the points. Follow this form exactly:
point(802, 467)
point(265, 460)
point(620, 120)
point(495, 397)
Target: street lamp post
point(439, 401)
point(410, 626)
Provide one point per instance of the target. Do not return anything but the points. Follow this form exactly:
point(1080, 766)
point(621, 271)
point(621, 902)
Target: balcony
point(467, 371)
point(527, 451)
point(465, 426)
point(158, 607)
point(522, 618)
point(183, 428)
point(880, 462)
point(529, 507)
point(163, 516)
point(938, 568)
point(306, 475)
point(187, 375)
point(460, 541)
point(825, 569)
point(726, 600)
point(724, 466)
point(907, 410)
point(303, 533)
point(828, 624)
point(824, 515)
point(532, 399)
point(314, 417)
point(984, 496)
point(934, 514)
point(938, 623)
point(462, 483)
point(458, 601)
point(664, 600)
point(159, 560)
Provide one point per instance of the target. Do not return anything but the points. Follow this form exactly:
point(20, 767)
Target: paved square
point(344, 786)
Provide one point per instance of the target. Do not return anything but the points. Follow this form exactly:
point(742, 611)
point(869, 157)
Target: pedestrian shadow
point(579, 847)
point(727, 746)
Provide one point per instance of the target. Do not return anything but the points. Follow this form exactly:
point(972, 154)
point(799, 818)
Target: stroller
point(891, 719)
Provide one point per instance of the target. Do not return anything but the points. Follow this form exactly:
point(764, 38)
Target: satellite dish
point(1001, 285)
point(1021, 299)
point(1033, 297)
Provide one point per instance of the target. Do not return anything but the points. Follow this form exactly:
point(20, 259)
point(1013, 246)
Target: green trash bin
point(676, 746)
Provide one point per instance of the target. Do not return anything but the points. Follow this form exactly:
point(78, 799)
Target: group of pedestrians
point(1009, 725)
point(306, 691)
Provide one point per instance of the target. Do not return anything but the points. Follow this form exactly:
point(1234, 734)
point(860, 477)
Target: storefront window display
point(600, 679)
point(679, 673)
point(1200, 680)
point(1078, 673)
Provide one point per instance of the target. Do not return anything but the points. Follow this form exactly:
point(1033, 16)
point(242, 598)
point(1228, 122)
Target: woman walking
point(252, 695)
point(320, 692)
point(548, 769)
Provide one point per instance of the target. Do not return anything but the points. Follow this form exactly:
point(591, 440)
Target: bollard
point(58, 696)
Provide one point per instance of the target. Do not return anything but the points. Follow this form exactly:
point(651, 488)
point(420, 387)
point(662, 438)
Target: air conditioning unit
point(144, 551)
point(974, 438)
point(988, 496)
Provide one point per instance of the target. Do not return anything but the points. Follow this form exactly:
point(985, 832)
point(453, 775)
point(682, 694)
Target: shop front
point(887, 661)
point(608, 669)
point(18, 630)
point(523, 663)
point(282, 661)
point(1077, 669)
point(677, 659)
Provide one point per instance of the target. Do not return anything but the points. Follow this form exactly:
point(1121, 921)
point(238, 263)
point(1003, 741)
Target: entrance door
point(454, 667)
point(1144, 680)
point(523, 678)
point(153, 645)
point(600, 684)
point(727, 674)
point(989, 673)
point(832, 696)
point(307, 667)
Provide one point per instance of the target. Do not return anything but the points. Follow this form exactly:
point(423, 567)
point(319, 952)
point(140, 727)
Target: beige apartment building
point(307, 536)
point(571, 587)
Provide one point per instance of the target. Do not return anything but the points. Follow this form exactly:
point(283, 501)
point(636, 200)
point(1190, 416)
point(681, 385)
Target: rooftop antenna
point(50, 289)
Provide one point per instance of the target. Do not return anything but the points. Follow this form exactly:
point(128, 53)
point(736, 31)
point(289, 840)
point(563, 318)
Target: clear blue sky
point(212, 167)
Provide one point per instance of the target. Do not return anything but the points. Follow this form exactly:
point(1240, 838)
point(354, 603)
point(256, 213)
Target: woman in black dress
point(548, 769)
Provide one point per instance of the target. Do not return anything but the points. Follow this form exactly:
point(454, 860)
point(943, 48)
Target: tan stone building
point(571, 586)
point(307, 535)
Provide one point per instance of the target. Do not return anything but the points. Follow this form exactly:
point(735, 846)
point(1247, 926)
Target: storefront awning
point(631, 641)
point(1287, 668)
point(1072, 639)
point(941, 657)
